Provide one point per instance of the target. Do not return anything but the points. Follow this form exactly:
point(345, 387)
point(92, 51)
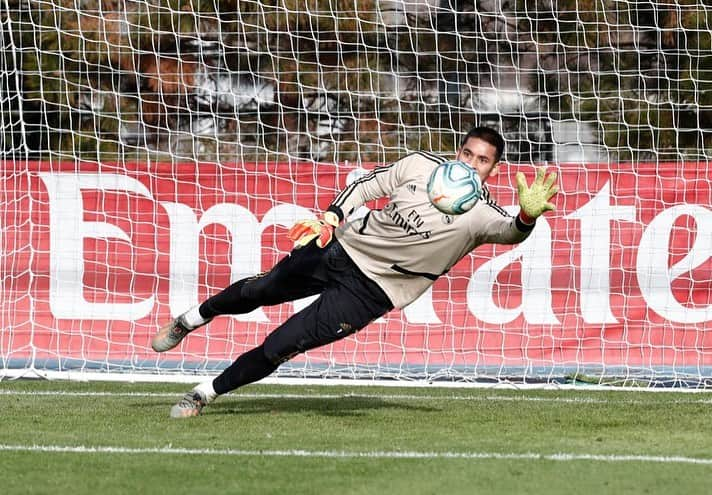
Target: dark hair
point(488, 135)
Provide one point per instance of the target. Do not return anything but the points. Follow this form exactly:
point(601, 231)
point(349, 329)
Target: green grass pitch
point(60, 437)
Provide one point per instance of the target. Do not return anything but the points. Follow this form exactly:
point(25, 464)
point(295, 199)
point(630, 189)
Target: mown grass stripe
point(336, 454)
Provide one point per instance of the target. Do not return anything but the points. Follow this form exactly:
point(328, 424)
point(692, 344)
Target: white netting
point(155, 151)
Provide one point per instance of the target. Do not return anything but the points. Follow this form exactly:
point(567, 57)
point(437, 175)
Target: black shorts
point(348, 299)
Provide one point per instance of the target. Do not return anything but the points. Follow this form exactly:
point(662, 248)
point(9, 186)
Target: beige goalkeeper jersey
point(408, 244)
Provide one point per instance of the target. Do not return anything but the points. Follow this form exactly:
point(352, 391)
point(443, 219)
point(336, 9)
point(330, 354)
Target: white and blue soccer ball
point(454, 187)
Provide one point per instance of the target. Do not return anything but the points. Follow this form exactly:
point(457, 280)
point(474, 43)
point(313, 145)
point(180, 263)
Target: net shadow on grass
point(341, 406)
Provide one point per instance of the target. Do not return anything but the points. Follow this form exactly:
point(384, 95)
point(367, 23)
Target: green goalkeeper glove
point(534, 199)
point(304, 231)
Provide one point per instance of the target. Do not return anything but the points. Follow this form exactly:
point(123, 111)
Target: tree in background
point(351, 80)
point(639, 73)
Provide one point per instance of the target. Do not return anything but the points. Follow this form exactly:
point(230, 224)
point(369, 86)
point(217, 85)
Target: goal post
point(155, 151)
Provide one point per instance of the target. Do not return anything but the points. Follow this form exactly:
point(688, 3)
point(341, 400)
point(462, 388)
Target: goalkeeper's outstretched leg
point(298, 275)
point(349, 302)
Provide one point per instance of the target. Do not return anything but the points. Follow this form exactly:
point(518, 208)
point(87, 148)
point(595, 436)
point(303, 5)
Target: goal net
point(155, 151)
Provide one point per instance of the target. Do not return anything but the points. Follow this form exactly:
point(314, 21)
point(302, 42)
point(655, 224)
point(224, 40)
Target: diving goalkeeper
point(362, 268)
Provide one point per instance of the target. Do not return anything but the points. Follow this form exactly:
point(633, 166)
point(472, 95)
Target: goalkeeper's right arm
point(304, 231)
point(376, 184)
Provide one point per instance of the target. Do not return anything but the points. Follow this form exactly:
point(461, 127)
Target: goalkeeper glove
point(304, 231)
point(534, 199)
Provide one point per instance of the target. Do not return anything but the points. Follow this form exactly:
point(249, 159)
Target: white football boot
point(171, 334)
point(190, 405)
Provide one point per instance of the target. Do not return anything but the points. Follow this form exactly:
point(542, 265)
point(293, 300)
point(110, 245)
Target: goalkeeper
point(365, 267)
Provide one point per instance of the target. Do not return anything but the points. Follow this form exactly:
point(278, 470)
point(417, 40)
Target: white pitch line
point(342, 454)
point(408, 397)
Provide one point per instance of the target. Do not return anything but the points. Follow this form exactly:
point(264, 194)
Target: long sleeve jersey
point(408, 244)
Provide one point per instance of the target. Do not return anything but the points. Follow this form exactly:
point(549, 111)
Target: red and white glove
point(304, 231)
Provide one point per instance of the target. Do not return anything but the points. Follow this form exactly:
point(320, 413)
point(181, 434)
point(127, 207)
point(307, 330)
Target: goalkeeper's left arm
point(534, 199)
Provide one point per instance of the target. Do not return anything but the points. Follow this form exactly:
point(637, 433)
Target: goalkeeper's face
point(480, 155)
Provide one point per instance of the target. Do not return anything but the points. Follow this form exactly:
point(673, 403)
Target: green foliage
point(640, 74)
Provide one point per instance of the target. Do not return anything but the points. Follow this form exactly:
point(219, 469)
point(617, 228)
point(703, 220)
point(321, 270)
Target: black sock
point(249, 367)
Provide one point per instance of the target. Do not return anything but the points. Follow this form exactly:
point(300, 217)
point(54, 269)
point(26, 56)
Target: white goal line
point(407, 397)
point(342, 454)
point(89, 376)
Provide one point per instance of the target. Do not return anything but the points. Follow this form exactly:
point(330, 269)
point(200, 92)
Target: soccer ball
point(454, 187)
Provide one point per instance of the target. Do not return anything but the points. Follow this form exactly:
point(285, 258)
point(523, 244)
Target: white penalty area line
point(341, 454)
point(525, 397)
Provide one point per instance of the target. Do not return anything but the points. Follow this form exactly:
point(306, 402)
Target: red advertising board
point(96, 256)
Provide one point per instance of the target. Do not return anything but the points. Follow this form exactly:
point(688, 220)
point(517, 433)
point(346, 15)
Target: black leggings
point(348, 302)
